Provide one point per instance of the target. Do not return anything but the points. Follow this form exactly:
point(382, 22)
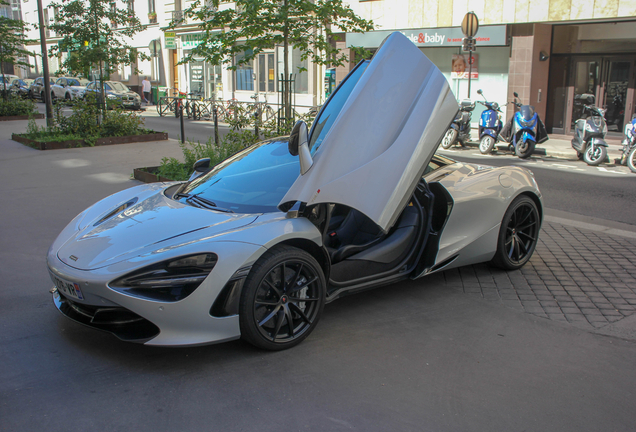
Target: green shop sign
point(191, 40)
point(169, 38)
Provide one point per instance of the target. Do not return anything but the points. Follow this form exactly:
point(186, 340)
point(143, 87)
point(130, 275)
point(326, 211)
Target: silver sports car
point(257, 245)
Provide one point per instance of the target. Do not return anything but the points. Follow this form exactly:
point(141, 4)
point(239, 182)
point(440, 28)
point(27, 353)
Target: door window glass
point(615, 95)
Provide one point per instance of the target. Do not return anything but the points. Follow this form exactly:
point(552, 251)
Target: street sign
point(154, 47)
point(170, 42)
point(470, 25)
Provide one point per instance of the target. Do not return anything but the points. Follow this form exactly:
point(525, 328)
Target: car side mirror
point(298, 146)
point(202, 165)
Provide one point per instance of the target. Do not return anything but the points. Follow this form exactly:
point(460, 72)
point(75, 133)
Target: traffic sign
point(470, 25)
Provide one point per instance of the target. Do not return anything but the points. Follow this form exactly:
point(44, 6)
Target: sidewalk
point(559, 146)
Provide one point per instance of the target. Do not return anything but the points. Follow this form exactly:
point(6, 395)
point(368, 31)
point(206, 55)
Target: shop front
point(597, 59)
point(488, 68)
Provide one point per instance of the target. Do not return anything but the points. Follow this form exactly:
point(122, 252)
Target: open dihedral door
point(376, 149)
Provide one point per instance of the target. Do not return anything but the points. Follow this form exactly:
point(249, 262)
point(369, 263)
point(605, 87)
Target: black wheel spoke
point(300, 312)
point(295, 279)
point(303, 286)
point(528, 225)
point(269, 317)
point(273, 287)
point(266, 302)
point(290, 321)
point(279, 322)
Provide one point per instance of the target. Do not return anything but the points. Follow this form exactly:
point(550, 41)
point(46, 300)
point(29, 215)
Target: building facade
point(552, 50)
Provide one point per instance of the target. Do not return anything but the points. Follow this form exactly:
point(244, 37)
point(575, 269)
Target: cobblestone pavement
point(576, 275)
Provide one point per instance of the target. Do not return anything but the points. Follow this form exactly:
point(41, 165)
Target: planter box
point(148, 175)
point(55, 145)
point(22, 117)
point(52, 145)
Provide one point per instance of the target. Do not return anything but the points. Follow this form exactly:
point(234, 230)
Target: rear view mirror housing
point(298, 146)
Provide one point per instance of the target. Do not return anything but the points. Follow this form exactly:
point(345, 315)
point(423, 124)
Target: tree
point(94, 33)
point(253, 26)
point(12, 40)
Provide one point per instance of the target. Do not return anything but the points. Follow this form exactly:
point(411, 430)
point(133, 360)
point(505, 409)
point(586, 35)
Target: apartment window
point(266, 73)
point(151, 6)
point(131, 8)
point(113, 11)
point(244, 74)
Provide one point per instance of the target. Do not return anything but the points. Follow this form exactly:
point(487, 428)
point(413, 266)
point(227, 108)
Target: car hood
point(141, 227)
point(383, 137)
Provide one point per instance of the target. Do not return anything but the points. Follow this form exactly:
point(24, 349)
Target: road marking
point(611, 171)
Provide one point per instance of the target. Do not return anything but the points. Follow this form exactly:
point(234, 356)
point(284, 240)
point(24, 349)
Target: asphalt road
point(415, 356)
point(572, 186)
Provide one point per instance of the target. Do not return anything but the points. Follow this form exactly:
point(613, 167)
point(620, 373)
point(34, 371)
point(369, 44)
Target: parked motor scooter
point(589, 133)
point(459, 130)
point(489, 125)
point(524, 130)
point(628, 156)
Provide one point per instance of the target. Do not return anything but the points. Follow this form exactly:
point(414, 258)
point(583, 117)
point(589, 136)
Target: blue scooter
point(524, 130)
point(489, 125)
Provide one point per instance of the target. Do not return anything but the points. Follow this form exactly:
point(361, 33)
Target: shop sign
point(191, 40)
point(169, 38)
point(460, 66)
point(438, 37)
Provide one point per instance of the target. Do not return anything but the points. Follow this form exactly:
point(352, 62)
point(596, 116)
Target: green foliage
point(94, 33)
point(232, 143)
point(16, 107)
point(254, 26)
point(84, 123)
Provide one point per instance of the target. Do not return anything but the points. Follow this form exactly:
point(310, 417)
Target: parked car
point(257, 245)
point(36, 90)
point(20, 87)
point(68, 88)
point(6, 80)
point(116, 94)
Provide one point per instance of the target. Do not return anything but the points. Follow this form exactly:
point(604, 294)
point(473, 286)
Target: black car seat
point(356, 233)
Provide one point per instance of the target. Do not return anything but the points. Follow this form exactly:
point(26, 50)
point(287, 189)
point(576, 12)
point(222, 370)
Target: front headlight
point(168, 281)
point(111, 96)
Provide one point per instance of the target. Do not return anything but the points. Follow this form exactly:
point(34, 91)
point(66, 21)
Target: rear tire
point(486, 144)
point(449, 138)
point(596, 156)
point(518, 234)
point(631, 159)
point(282, 299)
point(524, 149)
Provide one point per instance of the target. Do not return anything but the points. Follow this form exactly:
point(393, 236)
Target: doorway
point(609, 79)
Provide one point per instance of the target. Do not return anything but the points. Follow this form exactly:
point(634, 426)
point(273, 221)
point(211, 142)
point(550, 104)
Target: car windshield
point(117, 86)
point(72, 82)
point(323, 123)
point(252, 181)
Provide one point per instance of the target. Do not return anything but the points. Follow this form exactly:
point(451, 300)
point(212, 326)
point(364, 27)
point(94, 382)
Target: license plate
point(70, 289)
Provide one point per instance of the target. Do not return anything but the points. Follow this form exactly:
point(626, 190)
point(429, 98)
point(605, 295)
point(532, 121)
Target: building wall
point(397, 14)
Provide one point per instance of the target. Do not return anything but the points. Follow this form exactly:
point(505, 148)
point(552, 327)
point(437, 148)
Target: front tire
point(524, 149)
point(449, 138)
point(631, 159)
point(282, 299)
point(595, 156)
point(486, 144)
point(518, 234)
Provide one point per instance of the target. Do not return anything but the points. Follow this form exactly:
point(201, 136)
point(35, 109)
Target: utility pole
point(45, 68)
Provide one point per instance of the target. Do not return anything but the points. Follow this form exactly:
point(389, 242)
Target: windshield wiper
point(201, 202)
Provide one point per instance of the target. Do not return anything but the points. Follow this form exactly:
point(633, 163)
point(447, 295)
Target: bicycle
point(171, 102)
point(262, 108)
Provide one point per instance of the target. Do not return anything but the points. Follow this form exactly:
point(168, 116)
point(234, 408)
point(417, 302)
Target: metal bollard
point(216, 127)
point(180, 109)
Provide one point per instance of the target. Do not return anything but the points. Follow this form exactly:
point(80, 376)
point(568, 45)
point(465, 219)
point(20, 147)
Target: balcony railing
point(178, 17)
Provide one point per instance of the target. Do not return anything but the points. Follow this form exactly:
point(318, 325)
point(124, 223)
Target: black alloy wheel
point(282, 299)
point(595, 156)
point(518, 234)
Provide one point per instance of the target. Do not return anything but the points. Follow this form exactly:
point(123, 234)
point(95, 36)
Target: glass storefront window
point(266, 73)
